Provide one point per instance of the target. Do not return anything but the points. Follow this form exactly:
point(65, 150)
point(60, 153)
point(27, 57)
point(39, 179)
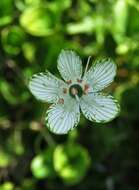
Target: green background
point(93, 156)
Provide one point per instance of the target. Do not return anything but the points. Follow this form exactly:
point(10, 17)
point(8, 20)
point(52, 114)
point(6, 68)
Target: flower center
point(75, 89)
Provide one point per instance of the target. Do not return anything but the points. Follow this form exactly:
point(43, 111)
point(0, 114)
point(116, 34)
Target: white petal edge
point(99, 108)
point(100, 75)
point(69, 65)
point(61, 118)
point(46, 87)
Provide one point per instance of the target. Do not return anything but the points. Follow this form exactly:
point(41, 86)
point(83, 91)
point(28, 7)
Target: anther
point(79, 80)
point(61, 101)
point(86, 88)
point(69, 82)
point(64, 90)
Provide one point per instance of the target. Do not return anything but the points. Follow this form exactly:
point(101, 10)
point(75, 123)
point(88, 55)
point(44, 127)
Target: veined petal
point(99, 107)
point(60, 118)
point(100, 75)
point(46, 87)
point(69, 65)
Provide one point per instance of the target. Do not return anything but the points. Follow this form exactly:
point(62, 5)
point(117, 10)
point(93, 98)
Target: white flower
point(76, 93)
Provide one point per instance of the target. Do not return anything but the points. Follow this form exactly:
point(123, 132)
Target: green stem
point(45, 133)
point(47, 137)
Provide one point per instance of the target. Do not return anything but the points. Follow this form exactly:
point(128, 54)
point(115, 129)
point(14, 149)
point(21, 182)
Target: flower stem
point(47, 137)
point(45, 133)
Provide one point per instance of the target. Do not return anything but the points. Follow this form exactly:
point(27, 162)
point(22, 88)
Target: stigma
point(75, 90)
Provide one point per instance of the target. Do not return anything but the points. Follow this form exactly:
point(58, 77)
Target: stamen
point(69, 82)
point(79, 80)
point(86, 68)
point(86, 88)
point(64, 90)
point(61, 101)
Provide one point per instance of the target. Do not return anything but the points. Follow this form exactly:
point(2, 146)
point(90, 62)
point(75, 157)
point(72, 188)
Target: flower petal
point(69, 65)
point(46, 87)
point(99, 107)
point(100, 75)
point(61, 118)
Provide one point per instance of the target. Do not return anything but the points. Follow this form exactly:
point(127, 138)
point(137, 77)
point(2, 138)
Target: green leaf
point(133, 24)
point(7, 186)
point(12, 39)
point(120, 12)
point(6, 11)
point(28, 184)
point(5, 159)
point(36, 20)
point(8, 93)
point(42, 166)
point(85, 26)
point(71, 161)
point(29, 51)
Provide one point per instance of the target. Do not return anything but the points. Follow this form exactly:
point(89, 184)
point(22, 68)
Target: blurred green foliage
point(71, 163)
point(100, 157)
point(42, 164)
